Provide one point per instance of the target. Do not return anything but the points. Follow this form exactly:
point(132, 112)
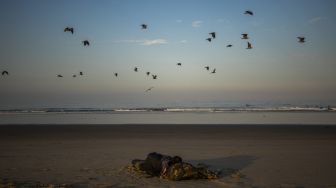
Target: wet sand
point(96, 155)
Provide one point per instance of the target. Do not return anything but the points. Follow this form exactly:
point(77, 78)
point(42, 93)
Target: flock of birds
point(212, 37)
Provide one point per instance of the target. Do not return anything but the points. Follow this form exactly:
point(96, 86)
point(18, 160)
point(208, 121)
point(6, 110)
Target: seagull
point(116, 74)
point(213, 71)
point(86, 43)
point(74, 76)
point(4, 72)
point(229, 46)
point(148, 73)
point(179, 64)
point(248, 12)
point(143, 26)
point(249, 45)
point(136, 69)
point(208, 39)
point(207, 68)
point(301, 39)
point(149, 89)
point(59, 76)
point(154, 77)
point(69, 29)
point(245, 36)
point(81, 73)
point(213, 34)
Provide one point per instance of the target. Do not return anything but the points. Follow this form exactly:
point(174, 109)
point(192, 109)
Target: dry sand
point(96, 155)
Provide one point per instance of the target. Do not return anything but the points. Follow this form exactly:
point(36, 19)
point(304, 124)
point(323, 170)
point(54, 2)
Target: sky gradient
point(277, 70)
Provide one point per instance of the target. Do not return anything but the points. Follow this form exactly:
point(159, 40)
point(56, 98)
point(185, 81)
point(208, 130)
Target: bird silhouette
point(86, 43)
point(59, 76)
point(248, 12)
point(229, 46)
point(74, 76)
point(213, 71)
point(149, 89)
point(69, 29)
point(143, 26)
point(81, 73)
point(135, 69)
point(244, 36)
point(179, 64)
point(148, 73)
point(154, 77)
point(208, 39)
point(249, 45)
point(213, 34)
point(207, 68)
point(4, 73)
point(301, 39)
point(116, 74)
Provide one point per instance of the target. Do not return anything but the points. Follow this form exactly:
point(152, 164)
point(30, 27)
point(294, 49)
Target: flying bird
point(154, 77)
point(4, 73)
point(301, 39)
point(148, 73)
point(81, 73)
point(244, 36)
point(136, 69)
point(74, 76)
point(116, 74)
point(59, 76)
point(207, 68)
point(213, 71)
point(248, 12)
point(149, 89)
point(69, 29)
point(143, 26)
point(179, 64)
point(213, 34)
point(208, 39)
point(86, 43)
point(249, 45)
point(229, 46)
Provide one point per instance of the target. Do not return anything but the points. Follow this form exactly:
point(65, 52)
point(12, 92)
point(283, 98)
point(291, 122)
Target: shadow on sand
point(229, 164)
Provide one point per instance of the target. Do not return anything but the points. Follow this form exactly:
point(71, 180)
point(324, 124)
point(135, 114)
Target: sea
point(243, 114)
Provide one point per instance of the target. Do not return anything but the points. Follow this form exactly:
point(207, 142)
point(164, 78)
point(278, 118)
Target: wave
point(246, 108)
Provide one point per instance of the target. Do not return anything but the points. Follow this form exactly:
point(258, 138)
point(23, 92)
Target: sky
point(34, 49)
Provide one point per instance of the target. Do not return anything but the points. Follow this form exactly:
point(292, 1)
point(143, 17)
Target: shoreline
point(237, 118)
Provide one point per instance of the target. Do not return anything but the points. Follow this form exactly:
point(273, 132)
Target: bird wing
point(249, 12)
point(149, 89)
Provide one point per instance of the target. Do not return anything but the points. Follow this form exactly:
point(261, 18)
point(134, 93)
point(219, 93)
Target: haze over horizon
point(277, 70)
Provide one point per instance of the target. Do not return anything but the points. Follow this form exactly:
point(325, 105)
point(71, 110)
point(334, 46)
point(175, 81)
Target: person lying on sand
point(171, 168)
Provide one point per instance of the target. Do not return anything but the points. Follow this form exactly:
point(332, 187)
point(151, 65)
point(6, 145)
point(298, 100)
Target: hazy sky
point(34, 49)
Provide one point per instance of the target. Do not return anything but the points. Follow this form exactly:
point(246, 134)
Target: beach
point(98, 155)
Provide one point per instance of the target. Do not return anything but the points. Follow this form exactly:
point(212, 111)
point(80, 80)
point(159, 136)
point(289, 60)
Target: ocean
point(173, 115)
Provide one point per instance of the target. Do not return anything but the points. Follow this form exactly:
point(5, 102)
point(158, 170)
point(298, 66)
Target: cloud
point(316, 19)
point(179, 21)
point(154, 42)
point(196, 23)
point(145, 42)
point(183, 41)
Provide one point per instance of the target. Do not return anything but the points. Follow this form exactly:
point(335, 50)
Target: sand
point(96, 155)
